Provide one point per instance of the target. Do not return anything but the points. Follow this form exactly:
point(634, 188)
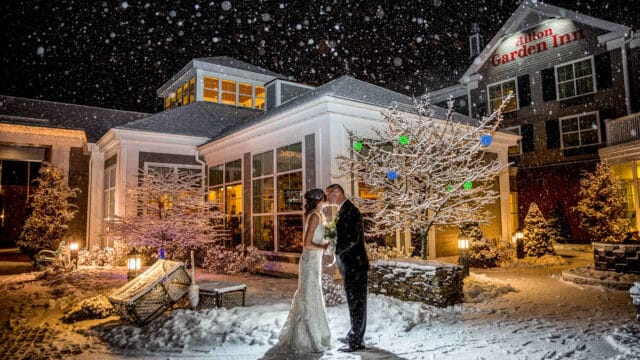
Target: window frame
point(503, 96)
point(574, 79)
point(222, 205)
point(579, 131)
point(111, 191)
point(276, 213)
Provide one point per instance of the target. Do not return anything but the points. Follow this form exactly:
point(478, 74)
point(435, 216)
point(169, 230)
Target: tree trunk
point(424, 244)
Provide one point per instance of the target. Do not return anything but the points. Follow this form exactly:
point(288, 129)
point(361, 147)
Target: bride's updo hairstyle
point(312, 198)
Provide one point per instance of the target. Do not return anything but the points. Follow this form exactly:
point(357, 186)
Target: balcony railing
point(623, 129)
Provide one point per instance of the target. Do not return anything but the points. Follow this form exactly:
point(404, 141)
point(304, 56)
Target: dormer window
point(184, 94)
point(230, 92)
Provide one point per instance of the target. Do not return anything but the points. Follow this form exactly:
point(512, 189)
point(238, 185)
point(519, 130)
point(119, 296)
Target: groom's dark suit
point(353, 264)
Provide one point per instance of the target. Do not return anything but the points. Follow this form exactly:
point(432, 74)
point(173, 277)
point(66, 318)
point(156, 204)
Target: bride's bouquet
point(331, 237)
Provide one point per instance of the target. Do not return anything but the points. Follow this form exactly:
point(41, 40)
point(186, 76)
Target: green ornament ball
point(403, 140)
point(467, 185)
point(357, 145)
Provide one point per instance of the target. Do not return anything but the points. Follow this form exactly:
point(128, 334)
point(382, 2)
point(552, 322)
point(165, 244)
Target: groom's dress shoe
point(343, 340)
point(352, 348)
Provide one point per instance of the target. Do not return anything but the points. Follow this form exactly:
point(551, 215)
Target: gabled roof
point(94, 121)
point(348, 88)
point(532, 7)
point(201, 119)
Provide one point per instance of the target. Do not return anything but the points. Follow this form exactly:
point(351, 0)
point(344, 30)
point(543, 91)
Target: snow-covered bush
point(537, 241)
point(96, 257)
point(377, 252)
point(482, 251)
point(60, 265)
point(602, 205)
point(333, 292)
point(232, 261)
point(97, 307)
point(479, 289)
point(51, 211)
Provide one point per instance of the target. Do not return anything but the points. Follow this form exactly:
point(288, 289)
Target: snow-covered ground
point(519, 312)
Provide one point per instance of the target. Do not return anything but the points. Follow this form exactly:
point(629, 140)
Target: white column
point(60, 159)
point(96, 199)
point(505, 192)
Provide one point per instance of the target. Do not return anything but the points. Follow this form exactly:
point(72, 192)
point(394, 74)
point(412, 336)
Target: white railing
point(623, 129)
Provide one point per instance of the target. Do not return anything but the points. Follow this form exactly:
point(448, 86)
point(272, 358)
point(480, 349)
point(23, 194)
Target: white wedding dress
point(307, 329)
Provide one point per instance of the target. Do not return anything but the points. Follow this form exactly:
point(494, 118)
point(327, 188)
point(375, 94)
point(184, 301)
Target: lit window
point(225, 195)
point(185, 93)
point(167, 102)
point(499, 91)
point(244, 95)
point(581, 130)
point(210, 91)
point(228, 94)
point(575, 79)
point(192, 90)
point(178, 97)
point(260, 96)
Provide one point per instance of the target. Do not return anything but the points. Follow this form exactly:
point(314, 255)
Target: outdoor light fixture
point(519, 244)
point(73, 247)
point(134, 263)
point(463, 254)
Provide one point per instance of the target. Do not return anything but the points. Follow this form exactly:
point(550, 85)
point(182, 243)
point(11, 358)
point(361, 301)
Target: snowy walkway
point(546, 318)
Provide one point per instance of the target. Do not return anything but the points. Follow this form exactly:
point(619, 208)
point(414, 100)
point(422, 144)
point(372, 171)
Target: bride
point(307, 329)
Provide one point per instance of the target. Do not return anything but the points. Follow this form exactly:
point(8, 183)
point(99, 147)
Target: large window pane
point(263, 164)
point(584, 85)
point(290, 233)
point(228, 92)
point(233, 171)
point(263, 195)
point(215, 197)
point(244, 95)
point(289, 157)
point(290, 192)
point(565, 73)
point(216, 175)
point(263, 233)
point(233, 199)
point(569, 125)
point(570, 140)
point(210, 91)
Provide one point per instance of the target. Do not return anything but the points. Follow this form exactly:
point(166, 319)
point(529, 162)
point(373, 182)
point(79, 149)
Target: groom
point(353, 264)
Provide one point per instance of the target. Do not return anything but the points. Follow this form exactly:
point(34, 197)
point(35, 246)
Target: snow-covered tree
point(51, 211)
point(482, 252)
point(537, 241)
point(558, 226)
point(172, 213)
point(601, 206)
point(425, 171)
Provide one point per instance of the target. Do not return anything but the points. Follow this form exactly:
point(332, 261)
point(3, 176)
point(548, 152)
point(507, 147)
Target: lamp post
point(463, 254)
point(519, 244)
point(134, 263)
point(73, 247)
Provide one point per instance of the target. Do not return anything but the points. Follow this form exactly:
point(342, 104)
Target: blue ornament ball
point(486, 140)
point(392, 174)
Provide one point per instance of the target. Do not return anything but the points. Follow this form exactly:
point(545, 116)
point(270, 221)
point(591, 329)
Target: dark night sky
point(115, 54)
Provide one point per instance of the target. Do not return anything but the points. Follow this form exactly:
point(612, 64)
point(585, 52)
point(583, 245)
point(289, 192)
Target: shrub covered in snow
point(96, 257)
point(537, 241)
point(482, 251)
point(333, 291)
point(602, 206)
point(97, 307)
point(232, 261)
point(478, 289)
point(377, 252)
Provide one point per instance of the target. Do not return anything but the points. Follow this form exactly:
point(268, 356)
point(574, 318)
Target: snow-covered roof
point(202, 119)
point(349, 88)
point(536, 10)
point(94, 121)
point(230, 62)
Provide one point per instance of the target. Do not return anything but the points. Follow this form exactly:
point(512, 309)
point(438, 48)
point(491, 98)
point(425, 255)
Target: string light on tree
point(486, 140)
point(403, 140)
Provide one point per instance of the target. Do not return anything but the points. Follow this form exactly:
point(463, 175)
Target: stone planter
point(635, 296)
point(623, 258)
point(431, 282)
